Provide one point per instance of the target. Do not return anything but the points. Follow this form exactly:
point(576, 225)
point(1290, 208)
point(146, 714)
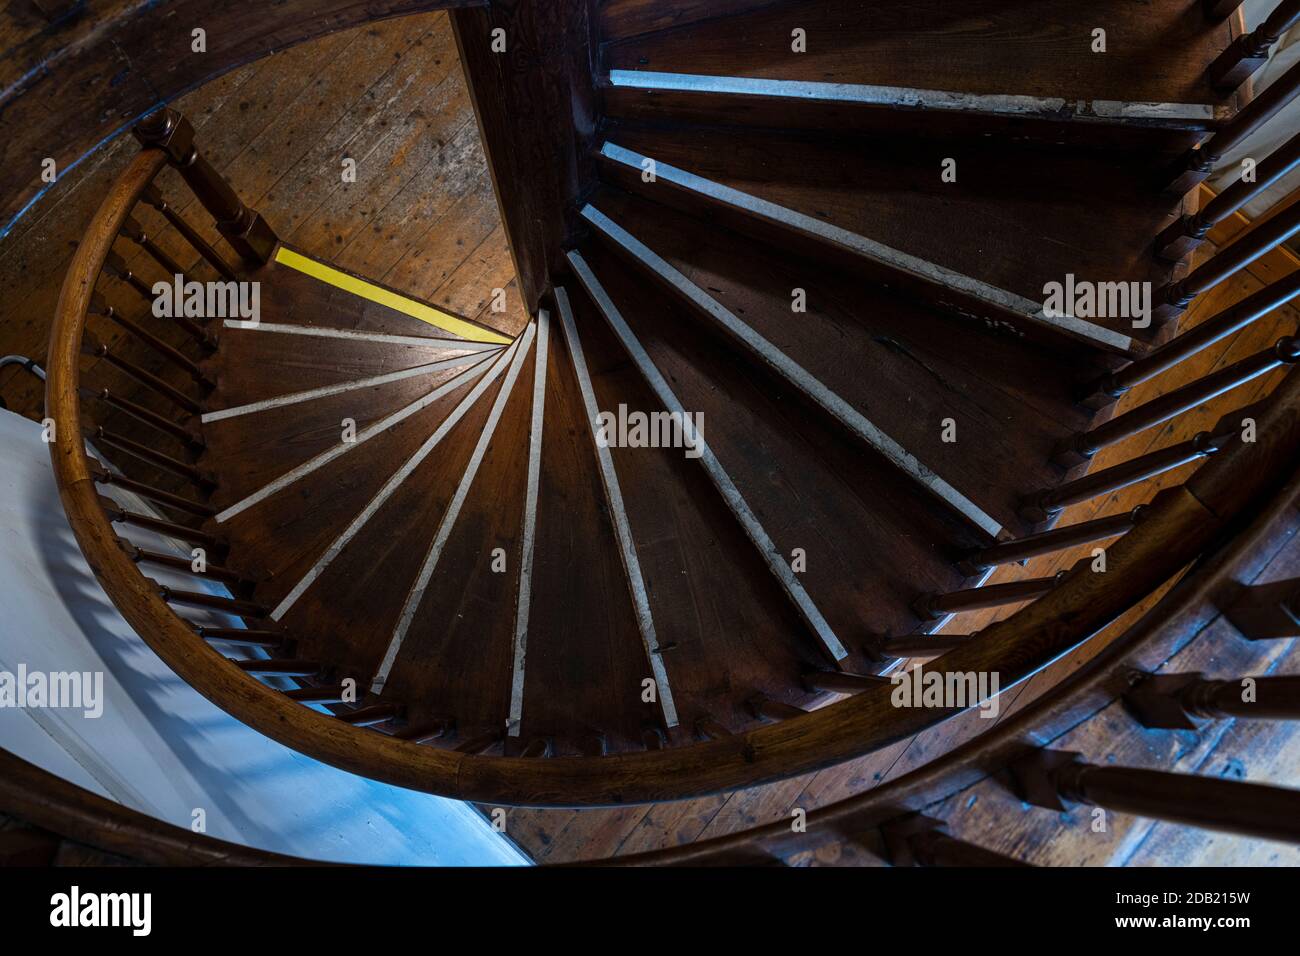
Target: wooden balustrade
point(425, 732)
point(1043, 505)
point(279, 667)
point(1179, 525)
point(880, 648)
point(836, 682)
point(1049, 542)
point(1054, 779)
point(241, 637)
point(244, 228)
point(105, 477)
point(212, 602)
point(98, 306)
point(116, 266)
point(706, 728)
point(1187, 233)
point(1177, 701)
point(935, 606)
point(479, 744)
point(185, 564)
point(1249, 51)
point(119, 515)
point(370, 715)
point(1109, 387)
point(132, 230)
point(918, 840)
point(1286, 351)
point(1266, 611)
point(152, 196)
point(1172, 300)
point(326, 694)
point(192, 440)
point(1196, 165)
point(104, 438)
point(145, 378)
point(765, 708)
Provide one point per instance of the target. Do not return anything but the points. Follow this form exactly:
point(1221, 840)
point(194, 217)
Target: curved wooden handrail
point(1180, 525)
point(41, 799)
point(1181, 617)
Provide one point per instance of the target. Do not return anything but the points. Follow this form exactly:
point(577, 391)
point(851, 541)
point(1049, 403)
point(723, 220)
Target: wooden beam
point(536, 107)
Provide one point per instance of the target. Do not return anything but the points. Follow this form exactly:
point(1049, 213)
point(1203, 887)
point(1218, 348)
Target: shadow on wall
point(158, 746)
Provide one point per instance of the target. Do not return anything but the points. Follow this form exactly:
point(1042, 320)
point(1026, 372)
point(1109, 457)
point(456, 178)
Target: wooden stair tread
point(456, 658)
point(1157, 52)
point(727, 632)
point(248, 451)
point(585, 658)
point(1006, 220)
point(870, 535)
point(905, 367)
point(348, 615)
point(278, 539)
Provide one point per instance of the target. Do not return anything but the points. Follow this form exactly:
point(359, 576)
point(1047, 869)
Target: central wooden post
point(529, 65)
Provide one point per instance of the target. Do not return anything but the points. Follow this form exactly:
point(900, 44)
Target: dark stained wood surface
point(1028, 217)
point(904, 367)
point(1156, 52)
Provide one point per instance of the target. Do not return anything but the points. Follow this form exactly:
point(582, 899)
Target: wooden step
point(723, 630)
point(985, 246)
point(1007, 400)
point(955, 64)
point(580, 666)
point(868, 534)
point(345, 596)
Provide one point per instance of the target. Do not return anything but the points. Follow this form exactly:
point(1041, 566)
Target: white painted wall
point(161, 748)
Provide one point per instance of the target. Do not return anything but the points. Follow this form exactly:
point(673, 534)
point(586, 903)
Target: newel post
point(244, 228)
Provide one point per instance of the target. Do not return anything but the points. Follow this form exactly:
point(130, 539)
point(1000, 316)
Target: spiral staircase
point(818, 236)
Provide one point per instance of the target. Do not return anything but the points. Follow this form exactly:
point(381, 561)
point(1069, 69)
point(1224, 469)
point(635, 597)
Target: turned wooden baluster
point(764, 708)
point(993, 595)
point(1187, 233)
point(1053, 779)
point(430, 730)
point(880, 648)
point(212, 602)
point(190, 439)
point(1073, 451)
point(835, 682)
point(1176, 701)
point(1197, 165)
point(1048, 542)
point(100, 306)
point(283, 667)
point(131, 229)
point(1043, 505)
point(244, 228)
point(152, 196)
point(115, 266)
point(370, 715)
point(178, 398)
point(1111, 386)
point(105, 477)
point(104, 438)
point(184, 564)
point(202, 539)
point(917, 840)
point(1266, 611)
point(1249, 51)
point(1172, 300)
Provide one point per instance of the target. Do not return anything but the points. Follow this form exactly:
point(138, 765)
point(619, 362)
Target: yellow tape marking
point(367, 290)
